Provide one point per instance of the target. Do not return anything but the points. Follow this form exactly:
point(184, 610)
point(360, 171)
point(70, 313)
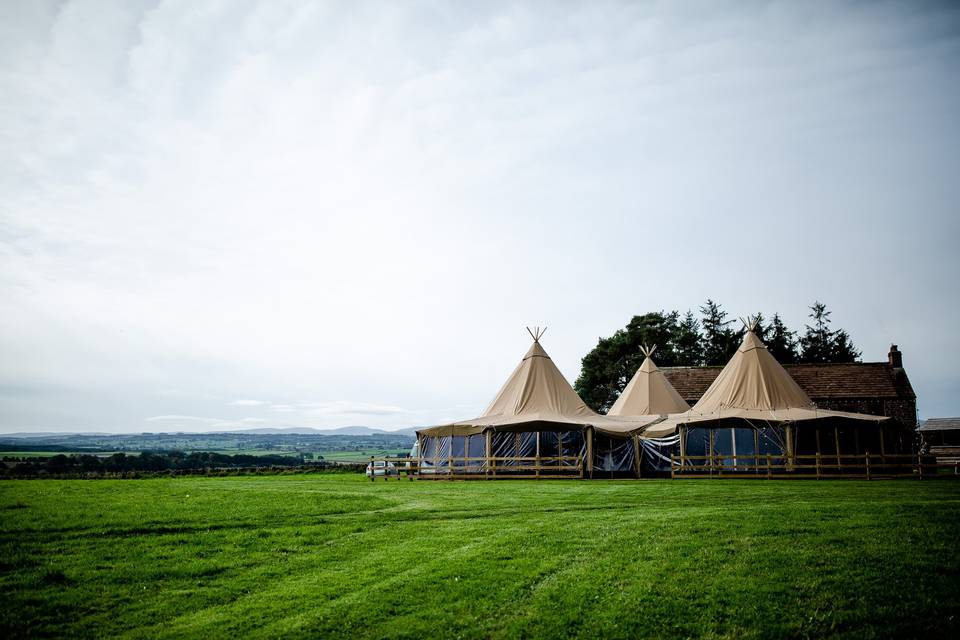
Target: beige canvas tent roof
point(536, 396)
point(648, 393)
point(753, 386)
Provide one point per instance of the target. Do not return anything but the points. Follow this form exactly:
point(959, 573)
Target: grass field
point(333, 456)
point(360, 456)
point(338, 556)
point(251, 452)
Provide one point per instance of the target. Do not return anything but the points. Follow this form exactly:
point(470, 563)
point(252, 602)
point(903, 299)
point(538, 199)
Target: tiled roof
point(691, 382)
point(821, 381)
point(940, 424)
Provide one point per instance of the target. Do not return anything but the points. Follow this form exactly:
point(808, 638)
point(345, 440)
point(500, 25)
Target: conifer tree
point(815, 343)
point(820, 344)
point(760, 326)
point(781, 342)
point(719, 340)
point(842, 349)
point(687, 341)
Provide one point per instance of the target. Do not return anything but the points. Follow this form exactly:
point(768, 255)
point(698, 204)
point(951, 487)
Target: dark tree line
point(148, 461)
point(708, 340)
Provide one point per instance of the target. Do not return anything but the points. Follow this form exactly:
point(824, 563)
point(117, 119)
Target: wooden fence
point(481, 468)
point(769, 466)
point(844, 465)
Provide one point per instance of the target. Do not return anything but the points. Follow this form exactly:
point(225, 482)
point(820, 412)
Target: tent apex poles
point(536, 333)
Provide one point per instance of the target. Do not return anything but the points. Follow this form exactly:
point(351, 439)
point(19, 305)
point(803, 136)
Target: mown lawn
point(335, 555)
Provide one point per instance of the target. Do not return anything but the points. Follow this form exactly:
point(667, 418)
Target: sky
point(271, 213)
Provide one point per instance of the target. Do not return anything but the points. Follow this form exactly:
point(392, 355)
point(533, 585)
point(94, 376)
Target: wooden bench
point(947, 456)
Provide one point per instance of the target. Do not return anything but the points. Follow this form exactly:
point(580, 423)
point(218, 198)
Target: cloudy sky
point(274, 213)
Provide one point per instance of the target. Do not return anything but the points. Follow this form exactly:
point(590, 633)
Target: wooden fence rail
point(480, 467)
point(819, 465)
point(760, 466)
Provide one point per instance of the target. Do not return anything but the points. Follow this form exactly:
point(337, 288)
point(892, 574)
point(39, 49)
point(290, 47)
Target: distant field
point(357, 456)
point(327, 455)
point(252, 452)
point(339, 556)
point(360, 456)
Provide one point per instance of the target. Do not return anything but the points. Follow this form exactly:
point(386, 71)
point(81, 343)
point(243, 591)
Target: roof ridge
point(834, 364)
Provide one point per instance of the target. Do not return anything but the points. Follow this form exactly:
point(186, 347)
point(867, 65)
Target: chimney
point(895, 358)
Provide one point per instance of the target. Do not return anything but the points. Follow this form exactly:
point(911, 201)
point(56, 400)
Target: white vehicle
point(381, 469)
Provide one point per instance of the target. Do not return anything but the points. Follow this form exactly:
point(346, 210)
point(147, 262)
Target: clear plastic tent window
point(746, 447)
point(613, 454)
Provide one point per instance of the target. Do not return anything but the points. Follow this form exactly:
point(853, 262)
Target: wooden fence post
point(818, 465)
point(672, 468)
point(868, 464)
point(836, 439)
point(769, 469)
point(788, 435)
point(636, 453)
point(488, 452)
point(450, 456)
point(589, 451)
point(537, 459)
point(683, 444)
point(709, 462)
point(420, 440)
point(883, 450)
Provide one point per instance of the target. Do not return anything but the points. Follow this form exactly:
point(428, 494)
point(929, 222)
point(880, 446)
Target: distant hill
point(354, 441)
point(53, 434)
point(338, 431)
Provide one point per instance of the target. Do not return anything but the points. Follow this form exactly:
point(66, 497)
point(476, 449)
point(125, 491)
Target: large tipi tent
point(754, 408)
point(536, 417)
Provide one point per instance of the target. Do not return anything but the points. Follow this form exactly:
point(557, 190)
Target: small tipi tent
point(648, 392)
